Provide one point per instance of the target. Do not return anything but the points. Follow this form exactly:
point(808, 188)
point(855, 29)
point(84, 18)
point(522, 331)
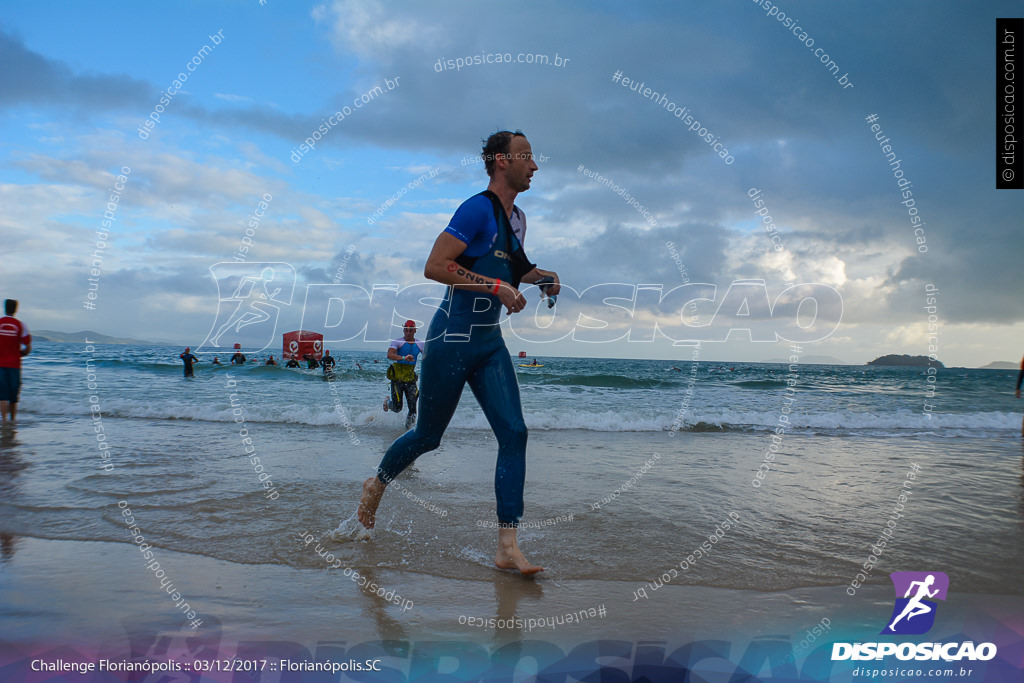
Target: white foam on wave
point(901, 420)
point(555, 417)
point(175, 409)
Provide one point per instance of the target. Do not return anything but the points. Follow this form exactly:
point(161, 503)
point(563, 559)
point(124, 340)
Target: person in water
point(271, 361)
point(327, 363)
point(481, 259)
point(188, 359)
point(15, 344)
point(311, 362)
point(292, 363)
point(238, 358)
point(215, 361)
point(402, 372)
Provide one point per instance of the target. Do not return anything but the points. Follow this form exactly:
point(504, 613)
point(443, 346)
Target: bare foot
point(509, 556)
point(373, 489)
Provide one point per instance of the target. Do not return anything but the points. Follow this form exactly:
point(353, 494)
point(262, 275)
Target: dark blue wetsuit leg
point(496, 389)
point(464, 344)
point(444, 372)
point(487, 368)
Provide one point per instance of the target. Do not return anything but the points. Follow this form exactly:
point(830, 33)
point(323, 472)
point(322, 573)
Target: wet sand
point(100, 598)
point(250, 568)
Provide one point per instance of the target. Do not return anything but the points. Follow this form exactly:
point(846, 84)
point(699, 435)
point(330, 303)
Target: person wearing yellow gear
point(402, 373)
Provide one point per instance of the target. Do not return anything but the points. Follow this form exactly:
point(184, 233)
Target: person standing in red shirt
point(15, 342)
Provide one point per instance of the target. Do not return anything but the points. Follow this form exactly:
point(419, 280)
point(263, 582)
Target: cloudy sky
point(396, 120)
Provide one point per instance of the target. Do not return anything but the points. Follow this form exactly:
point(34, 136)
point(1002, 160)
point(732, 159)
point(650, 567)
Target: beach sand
point(639, 503)
point(110, 606)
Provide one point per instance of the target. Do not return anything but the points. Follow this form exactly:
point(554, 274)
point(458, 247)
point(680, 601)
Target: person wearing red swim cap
point(402, 372)
point(188, 359)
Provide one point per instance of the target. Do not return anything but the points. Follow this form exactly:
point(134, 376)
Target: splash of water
point(350, 530)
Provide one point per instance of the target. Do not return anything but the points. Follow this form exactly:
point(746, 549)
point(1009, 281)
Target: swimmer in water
point(188, 359)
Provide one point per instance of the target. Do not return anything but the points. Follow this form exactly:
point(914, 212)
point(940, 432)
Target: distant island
point(905, 361)
point(80, 337)
point(1000, 365)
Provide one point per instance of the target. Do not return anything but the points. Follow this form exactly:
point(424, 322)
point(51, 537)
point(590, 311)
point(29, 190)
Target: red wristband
point(497, 283)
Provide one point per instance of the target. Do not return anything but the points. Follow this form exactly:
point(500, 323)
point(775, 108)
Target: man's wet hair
point(10, 306)
point(498, 143)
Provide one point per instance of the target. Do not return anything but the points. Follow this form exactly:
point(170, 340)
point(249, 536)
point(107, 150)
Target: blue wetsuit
point(464, 345)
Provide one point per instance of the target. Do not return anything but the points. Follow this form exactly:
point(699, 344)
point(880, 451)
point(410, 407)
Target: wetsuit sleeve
point(470, 222)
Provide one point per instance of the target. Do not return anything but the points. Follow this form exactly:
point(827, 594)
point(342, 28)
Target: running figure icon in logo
point(923, 585)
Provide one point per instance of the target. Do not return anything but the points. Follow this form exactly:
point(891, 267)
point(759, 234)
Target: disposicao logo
point(913, 614)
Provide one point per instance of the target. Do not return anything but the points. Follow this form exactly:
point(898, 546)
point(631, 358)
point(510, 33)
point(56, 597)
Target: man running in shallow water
point(402, 373)
point(481, 259)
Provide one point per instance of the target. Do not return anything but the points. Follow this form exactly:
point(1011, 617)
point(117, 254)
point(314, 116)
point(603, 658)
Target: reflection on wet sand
point(11, 465)
point(389, 628)
point(509, 589)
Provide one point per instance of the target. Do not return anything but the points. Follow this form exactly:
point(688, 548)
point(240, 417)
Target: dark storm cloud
point(794, 132)
point(28, 77)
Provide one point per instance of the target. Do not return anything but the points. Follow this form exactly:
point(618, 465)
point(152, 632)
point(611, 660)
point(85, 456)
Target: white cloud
point(372, 30)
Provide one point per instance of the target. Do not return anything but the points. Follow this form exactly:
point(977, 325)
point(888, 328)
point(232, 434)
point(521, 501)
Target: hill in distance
point(80, 337)
point(1000, 365)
